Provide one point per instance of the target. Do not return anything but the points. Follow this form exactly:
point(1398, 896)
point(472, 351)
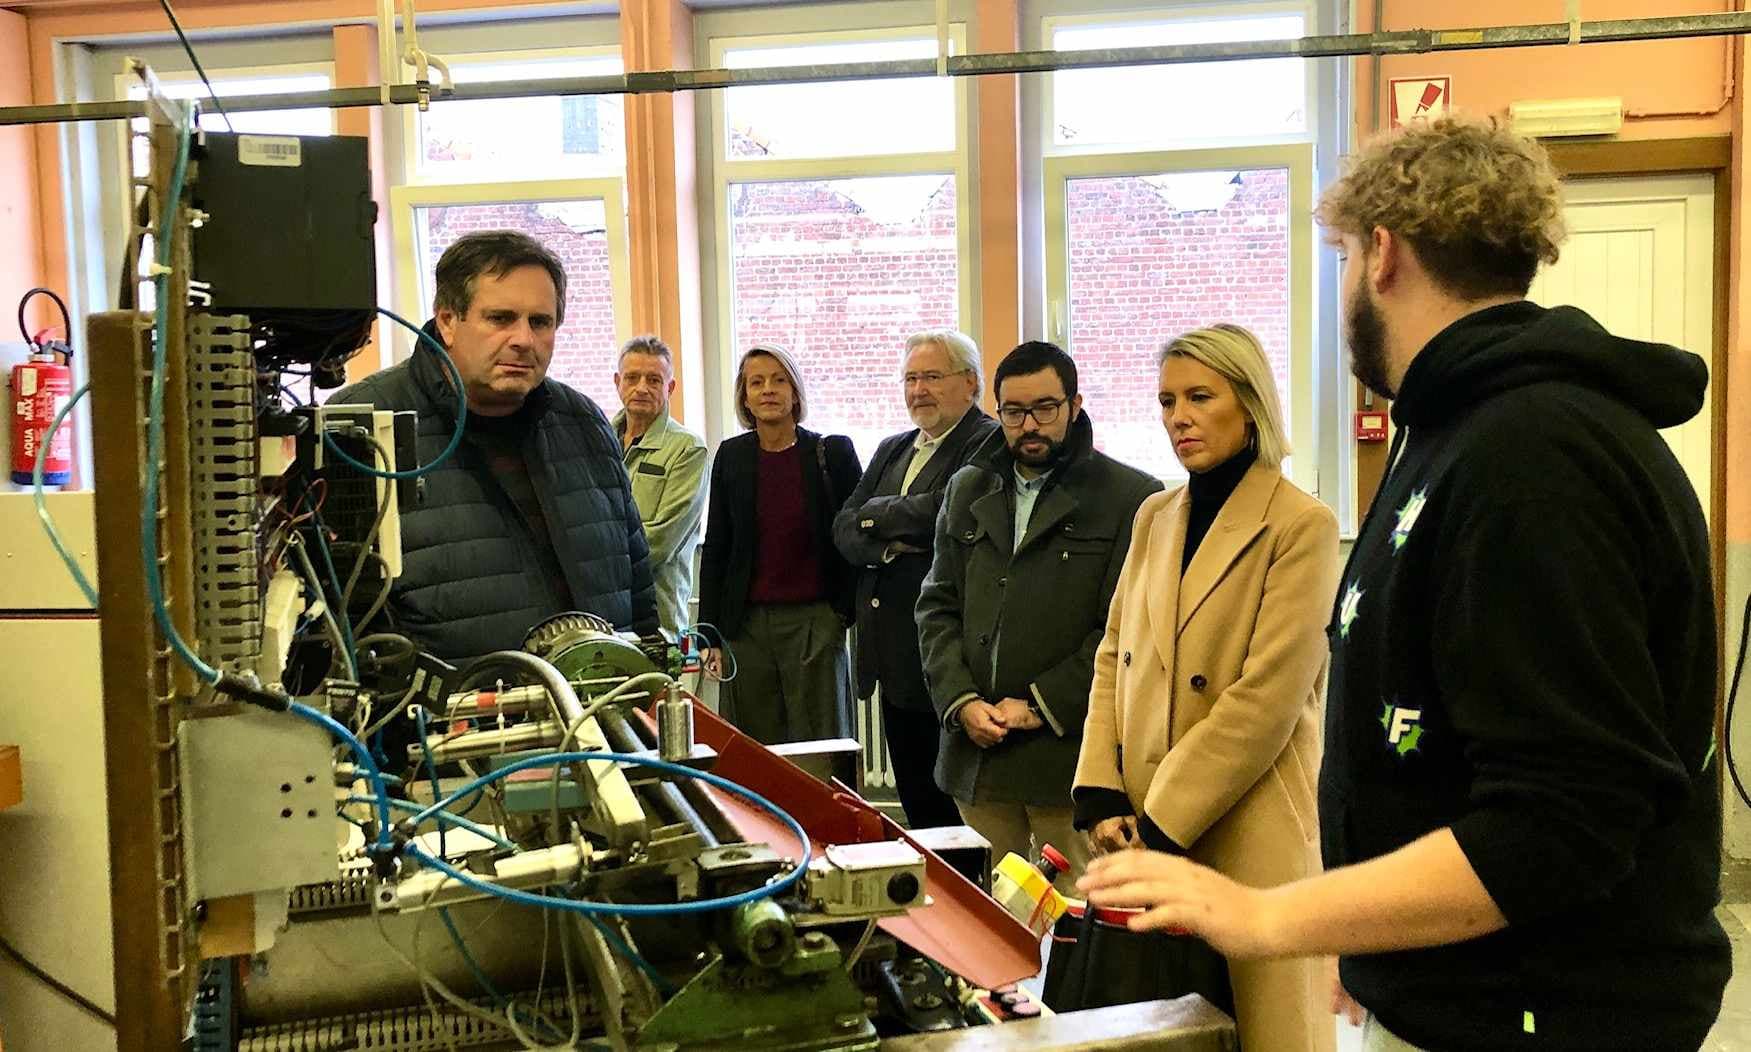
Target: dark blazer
point(887, 590)
point(726, 561)
point(1000, 621)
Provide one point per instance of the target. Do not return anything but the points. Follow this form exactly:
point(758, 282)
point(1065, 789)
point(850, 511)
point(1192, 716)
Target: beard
point(925, 416)
point(1365, 331)
point(1037, 458)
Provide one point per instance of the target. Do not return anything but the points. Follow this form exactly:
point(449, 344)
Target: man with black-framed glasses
point(887, 528)
point(1028, 551)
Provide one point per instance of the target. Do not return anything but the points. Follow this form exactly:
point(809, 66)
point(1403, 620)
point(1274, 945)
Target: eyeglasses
point(1043, 413)
point(930, 379)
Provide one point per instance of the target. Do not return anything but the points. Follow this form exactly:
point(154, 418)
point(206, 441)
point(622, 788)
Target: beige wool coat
point(1206, 709)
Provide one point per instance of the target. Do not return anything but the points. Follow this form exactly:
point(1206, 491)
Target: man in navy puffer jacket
point(533, 515)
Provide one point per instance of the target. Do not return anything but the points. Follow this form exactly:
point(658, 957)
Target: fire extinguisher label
point(27, 383)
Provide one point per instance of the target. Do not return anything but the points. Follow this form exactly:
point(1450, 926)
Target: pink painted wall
point(1670, 89)
point(21, 262)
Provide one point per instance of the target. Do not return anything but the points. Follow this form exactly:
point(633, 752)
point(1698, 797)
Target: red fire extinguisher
point(40, 387)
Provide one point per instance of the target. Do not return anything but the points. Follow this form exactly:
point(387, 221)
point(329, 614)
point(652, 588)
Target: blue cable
point(343, 617)
point(426, 339)
point(419, 716)
point(615, 943)
point(610, 908)
point(694, 630)
point(42, 508)
point(155, 415)
point(504, 1003)
point(372, 773)
point(443, 818)
point(468, 958)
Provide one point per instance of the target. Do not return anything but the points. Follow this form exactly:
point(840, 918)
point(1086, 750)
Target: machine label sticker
point(273, 151)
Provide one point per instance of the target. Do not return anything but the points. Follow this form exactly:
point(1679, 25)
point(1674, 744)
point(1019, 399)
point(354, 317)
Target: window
point(1249, 99)
point(514, 138)
point(273, 80)
point(1153, 253)
point(1192, 209)
point(579, 220)
point(550, 167)
point(841, 206)
point(853, 118)
point(841, 271)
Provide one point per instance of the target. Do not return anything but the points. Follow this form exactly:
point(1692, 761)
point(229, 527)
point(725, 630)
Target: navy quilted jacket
point(469, 581)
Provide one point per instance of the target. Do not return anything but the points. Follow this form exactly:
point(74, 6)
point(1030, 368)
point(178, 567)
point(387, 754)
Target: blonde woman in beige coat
point(1202, 735)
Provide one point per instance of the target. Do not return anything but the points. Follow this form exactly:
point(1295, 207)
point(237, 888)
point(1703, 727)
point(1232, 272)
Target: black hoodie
point(1524, 652)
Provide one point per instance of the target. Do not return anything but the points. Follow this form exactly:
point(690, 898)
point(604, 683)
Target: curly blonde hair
point(1478, 204)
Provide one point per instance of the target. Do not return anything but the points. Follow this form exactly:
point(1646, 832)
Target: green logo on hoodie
point(1404, 729)
point(1407, 518)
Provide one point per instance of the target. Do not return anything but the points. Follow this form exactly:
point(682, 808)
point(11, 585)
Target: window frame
point(721, 419)
point(410, 190)
point(1233, 10)
point(1297, 159)
point(407, 199)
point(412, 146)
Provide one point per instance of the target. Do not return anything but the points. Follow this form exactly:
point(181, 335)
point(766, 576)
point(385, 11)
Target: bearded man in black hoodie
point(1519, 806)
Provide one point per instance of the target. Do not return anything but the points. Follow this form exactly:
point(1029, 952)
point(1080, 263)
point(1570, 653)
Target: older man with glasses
point(887, 528)
point(1029, 546)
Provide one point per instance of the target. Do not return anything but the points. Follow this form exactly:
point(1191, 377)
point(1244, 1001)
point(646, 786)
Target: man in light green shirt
point(667, 465)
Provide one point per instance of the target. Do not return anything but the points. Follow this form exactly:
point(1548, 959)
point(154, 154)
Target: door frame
point(1702, 155)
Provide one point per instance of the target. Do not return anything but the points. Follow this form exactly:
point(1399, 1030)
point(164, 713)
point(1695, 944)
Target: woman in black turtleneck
point(1203, 720)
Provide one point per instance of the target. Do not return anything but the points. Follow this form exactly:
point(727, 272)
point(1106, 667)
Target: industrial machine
point(325, 840)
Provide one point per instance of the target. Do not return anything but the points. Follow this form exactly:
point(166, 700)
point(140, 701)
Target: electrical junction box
point(1556, 118)
point(866, 880)
point(290, 223)
point(258, 803)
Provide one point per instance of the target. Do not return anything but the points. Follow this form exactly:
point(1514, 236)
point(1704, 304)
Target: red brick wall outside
point(841, 290)
point(1142, 271)
point(816, 273)
point(584, 352)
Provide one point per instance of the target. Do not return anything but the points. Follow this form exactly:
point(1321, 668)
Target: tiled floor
point(1732, 1032)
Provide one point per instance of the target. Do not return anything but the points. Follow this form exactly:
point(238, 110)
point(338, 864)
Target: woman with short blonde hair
point(1202, 736)
point(1236, 354)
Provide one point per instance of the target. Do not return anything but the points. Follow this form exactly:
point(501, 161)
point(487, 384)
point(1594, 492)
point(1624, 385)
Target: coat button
point(1002, 582)
point(984, 640)
point(968, 535)
point(1127, 658)
point(875, 604)
point(1199, 682)
point(1063, 557)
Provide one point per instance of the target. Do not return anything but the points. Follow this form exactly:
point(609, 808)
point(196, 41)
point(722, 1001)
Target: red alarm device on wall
point(1371, 425)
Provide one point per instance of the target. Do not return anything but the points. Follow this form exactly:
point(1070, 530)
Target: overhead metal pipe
point(1399, 42)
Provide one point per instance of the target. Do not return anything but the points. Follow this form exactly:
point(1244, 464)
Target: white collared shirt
point(1027, 493)
point(923, 448)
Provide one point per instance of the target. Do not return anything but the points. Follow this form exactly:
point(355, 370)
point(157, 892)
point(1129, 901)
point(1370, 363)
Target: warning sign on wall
point(1419, 98)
